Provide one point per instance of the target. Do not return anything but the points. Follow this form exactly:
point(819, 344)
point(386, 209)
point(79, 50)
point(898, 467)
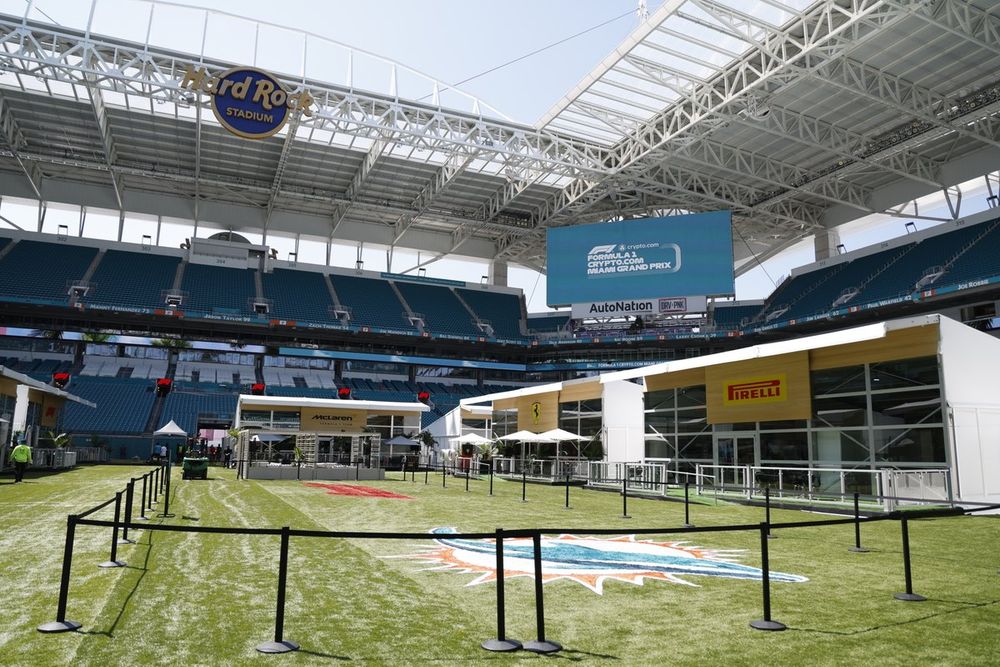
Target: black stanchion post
point(767, 511)
point(625, 496)
point(909, 595)
point(357, 470)
point(765, 576)
point(142, 505)
point(540, 645)
point(129, 492)
point(280, 644)
point(61, 624)
point(687, 506)
point(524, 485)
point(567, 490)
point(501, 643)
point(491, 478)
point(857, 548)
point(466, 480)
point(427, 472)
point(113, 561)
point(166, 492)
point(444, 476)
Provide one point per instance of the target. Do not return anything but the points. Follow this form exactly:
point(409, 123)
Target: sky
point(446, 40)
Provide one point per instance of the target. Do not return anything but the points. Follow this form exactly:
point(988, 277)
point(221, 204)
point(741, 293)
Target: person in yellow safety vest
point(21, 456)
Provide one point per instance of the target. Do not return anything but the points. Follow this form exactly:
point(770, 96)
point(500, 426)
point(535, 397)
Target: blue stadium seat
point(372, 302)
point(731, 317)
point(933, 251)
point(547, 324)
point(443, 312)
point(982, 260)
point(218, 289)
point(123, 405)
point(36, 270)
point(502, 310)
point(298, 295)
point(132, 279)
point(184, 406)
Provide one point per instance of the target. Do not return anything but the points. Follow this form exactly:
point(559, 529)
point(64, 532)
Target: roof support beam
point(279, 170)
point(14, 139)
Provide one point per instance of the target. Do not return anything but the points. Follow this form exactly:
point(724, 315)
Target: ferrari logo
point(536, 412)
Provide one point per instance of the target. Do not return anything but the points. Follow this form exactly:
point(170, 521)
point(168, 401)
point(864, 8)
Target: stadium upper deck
point(799, 117)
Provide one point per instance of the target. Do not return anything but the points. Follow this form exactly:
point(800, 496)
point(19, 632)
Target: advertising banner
point(675, 305)
point(647, 258)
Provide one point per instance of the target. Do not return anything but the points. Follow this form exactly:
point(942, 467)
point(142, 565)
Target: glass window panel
point(905, 373)
point(688, 397)
point(692, 421)
point(660, 400)
point(831, 447)
point(838, 380)
point(695, 447)
point(659, 449)
point(256, 416)
point(915, 445)
point(660, 422)
point(908, 407)
point(840, 411)
point(790, 446)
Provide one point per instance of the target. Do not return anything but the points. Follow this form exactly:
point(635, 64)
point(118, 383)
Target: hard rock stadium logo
point(590, 561)
point(248, 102)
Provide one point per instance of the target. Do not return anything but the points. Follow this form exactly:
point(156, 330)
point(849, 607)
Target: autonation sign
point(248, 102)
point(641, 259)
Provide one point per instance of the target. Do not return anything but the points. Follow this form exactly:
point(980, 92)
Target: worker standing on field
point(21, 456)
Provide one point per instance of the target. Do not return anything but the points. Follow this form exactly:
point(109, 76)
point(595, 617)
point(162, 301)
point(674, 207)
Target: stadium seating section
point(123, 405)
point(218, 289)
point(372, 302)
point(547, 324)
point(502, 311)
point(132, 279)
point(733, 317)
point(298, 295)
point(43, 271)
point(442, 311)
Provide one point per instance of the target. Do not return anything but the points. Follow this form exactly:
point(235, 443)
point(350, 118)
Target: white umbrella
point(558, 435)
point(472, 439)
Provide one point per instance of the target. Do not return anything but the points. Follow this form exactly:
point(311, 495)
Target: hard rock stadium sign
point(248, 102)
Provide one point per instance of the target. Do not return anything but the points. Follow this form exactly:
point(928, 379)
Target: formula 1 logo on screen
point(634, 259)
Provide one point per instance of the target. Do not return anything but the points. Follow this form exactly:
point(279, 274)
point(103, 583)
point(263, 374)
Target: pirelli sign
point(764, 389)
point(756, 390)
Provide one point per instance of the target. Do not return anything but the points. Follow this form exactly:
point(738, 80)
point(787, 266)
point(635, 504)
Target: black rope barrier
point(541, 644)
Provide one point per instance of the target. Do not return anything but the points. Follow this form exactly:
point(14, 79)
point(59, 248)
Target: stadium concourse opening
point(284, 437)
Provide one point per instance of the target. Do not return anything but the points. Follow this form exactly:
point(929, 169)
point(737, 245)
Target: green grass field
point(197, 599)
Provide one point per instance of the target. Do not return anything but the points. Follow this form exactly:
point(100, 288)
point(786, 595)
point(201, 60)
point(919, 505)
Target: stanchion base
point(626, 516)
point(501, 645)
point(122, 540)
point(112, 563)
point(687, 525)
point(284, 646)
point(166, 516)
point(542, 646)
point(771, 537)
point(859, 550)
point(141, 518)
point(772, 626)
point(59, 626)
point(909, 597)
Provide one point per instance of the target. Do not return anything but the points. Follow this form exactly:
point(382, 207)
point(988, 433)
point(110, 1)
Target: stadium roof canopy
point(798, 117)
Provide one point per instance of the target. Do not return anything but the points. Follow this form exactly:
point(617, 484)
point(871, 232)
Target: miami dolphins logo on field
point(590, 561)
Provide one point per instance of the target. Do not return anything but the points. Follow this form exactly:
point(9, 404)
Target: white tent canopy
point(472, 439)
point(559, 435)
point(527, 436)
point(171, 429)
